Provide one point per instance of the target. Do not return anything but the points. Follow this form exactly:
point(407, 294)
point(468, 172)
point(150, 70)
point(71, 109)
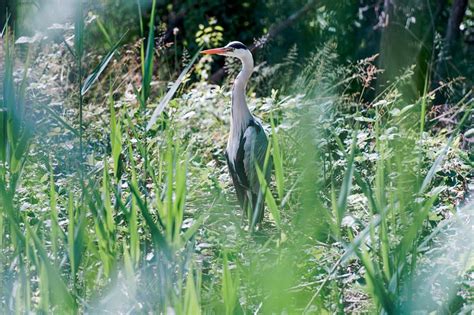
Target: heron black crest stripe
point(238, 46)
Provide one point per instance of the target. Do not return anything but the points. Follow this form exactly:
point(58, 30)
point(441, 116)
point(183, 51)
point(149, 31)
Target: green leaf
point(346, 185)
point(157, 235)
point(193, 229)
point(271, 203)
point(165, 100)
point(115, 137)
point(109, 215)
point(147, 64)
point(439, 160)
point(3, 133)
point(191, 300)
point(277, 161)
point(62, 121)
point(92, 78)
point(59, 293)
point(230, 287)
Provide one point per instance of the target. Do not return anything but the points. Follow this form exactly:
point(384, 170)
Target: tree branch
point(458, 10)
point(274, 30)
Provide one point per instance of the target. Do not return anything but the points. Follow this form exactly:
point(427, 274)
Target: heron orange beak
point(215, 51)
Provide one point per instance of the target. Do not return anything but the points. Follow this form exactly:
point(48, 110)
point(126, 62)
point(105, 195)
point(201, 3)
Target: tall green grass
point(15, 135)
point(124, 239)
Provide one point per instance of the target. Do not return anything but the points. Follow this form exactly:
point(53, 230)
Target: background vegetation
point(369, 106)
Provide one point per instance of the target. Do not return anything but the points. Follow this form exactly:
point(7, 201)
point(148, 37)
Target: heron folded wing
point(239, 165)
point(255, 145)
point(239, 189)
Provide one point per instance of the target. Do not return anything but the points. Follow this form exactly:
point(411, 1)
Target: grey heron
point(247, 143)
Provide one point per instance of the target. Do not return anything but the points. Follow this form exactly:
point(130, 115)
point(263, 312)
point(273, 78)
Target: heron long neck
point(240, 111)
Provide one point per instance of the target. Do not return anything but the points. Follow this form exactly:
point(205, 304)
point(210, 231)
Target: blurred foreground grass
point(362, 217)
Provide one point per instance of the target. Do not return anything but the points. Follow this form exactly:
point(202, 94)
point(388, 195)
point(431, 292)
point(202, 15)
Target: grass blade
point(92, 78)
point(431, 173)
point(277, 160)
point(62, 121)
point(346, 186)
point(59, 293)
point(230, 287)
point(147, 64)
point(165, 100)
point(115, 138)
point(156, 234)
point(191, 300)
point(269, 199)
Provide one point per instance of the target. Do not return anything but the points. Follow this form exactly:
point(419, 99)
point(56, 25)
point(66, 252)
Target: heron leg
point(249, 209)
point(245, 207)
point(257, 209)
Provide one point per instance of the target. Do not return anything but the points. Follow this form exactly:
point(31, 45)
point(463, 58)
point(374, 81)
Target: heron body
point(247, 143)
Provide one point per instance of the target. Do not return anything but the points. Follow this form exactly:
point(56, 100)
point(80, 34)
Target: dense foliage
point(369, 106)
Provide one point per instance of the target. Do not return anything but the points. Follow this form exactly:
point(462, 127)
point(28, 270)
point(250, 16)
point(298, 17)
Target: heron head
point(232, 49)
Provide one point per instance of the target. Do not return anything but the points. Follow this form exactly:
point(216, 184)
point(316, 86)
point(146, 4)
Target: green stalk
point(147, 73)
point(133, 219)
point(70, 238)
point(53, 215)
point(79, 51)
point(423, 106)
point(230, 287)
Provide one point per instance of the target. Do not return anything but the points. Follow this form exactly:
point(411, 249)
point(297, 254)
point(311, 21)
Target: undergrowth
point(98, 213)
